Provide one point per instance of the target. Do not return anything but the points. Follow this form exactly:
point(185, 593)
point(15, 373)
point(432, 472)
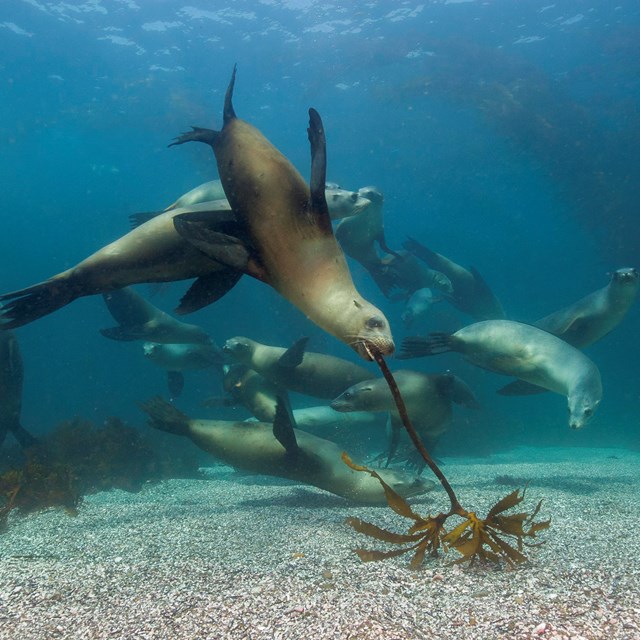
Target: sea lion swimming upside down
point(289, 242)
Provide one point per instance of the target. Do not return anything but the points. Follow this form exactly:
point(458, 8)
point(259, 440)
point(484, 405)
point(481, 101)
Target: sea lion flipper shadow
point(283, 424)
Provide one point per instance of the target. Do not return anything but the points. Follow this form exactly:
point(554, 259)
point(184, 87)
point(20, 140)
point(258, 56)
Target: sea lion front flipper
point(318, 207)
point(283, 424)
point(175, 382)
point(207, 289)
point(394, 428)
point(124, 334)
point(520, 388)
point(460, 393)
point(219, 239)
point(421, 251)
point(294, 355)
point(197, 134)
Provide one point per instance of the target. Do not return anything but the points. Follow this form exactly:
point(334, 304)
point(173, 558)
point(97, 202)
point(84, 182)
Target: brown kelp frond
point(425, 533)
point(394, 499)
point(498, 537)
point(485, 539)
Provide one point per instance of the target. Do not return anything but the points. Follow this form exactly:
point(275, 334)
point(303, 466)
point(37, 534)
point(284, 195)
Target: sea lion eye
point(588, 412)
point(375, 322)
point(357, 304)
point(354, 197)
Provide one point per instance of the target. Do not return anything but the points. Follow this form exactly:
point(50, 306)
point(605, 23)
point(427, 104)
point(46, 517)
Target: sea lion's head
point(368, 395)
point(373, 194)
point(343, 203)
point(404, 484)
point(583, 403)
point(369, 330)
point(627, 278)
point(239, 349)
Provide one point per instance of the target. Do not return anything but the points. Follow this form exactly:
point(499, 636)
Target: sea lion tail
point(165, 417)
point(419, 346)
point(27, 305)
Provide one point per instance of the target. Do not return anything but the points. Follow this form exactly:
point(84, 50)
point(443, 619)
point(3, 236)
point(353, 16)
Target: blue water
point(502, 134)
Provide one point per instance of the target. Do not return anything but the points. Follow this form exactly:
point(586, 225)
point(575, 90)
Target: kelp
point(77, 458)
point(498, 537)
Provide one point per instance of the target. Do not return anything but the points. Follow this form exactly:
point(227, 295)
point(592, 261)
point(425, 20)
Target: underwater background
point(503, 135)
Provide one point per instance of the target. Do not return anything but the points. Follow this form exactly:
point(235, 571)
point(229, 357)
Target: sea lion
point(587, 320)
point(341, 202)
point(417, 308)
point(253, 391)
point(11, 379)
point(358, 235)
point(283, 451)
point(284, 236)
point(526, 352)
point(402, 274)
point(313, 374)
point(138, 319)
point(176, 358)
point(428, 398)
point(471, 294)
point(152, 252)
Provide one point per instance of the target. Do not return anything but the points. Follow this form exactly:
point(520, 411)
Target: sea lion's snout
point(626, 275)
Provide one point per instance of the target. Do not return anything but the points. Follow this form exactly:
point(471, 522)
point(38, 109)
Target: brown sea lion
point(280, 450)
point(152, 252)
point(11, 379)
point(428, 397)
point(526, 352)
point(289, 242)
point(295, 369)
point(471, 294)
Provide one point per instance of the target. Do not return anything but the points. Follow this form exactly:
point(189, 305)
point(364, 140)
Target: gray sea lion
point(471, 294)
point(284, 235)
point(358, 235)
point(11, 379)
point(253, 391)
point(283, 451)
point(138, 319)
point(313, 374)
point(341, 202)
point(587, 320)
point(177, 358)
point(429, 398)
point(417, 308)
point(526, 352)
point(152, 252)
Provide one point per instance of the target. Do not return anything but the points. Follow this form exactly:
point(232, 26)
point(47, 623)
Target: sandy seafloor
point(235, 556)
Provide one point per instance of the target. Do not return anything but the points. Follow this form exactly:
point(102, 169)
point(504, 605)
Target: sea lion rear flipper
point(294, 355)
point(197, 134)
point(175, 382)
point(283, 424)
point(207, 289)
point(136, 219)
point(318, 207)
point(165, 417)
point(520, 388)
point(419, 346)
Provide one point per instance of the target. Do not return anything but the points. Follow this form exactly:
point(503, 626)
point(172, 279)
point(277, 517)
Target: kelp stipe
point(497, 537)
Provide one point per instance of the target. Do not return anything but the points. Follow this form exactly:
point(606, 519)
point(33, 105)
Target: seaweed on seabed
point(499, 536)
point(39, 484)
